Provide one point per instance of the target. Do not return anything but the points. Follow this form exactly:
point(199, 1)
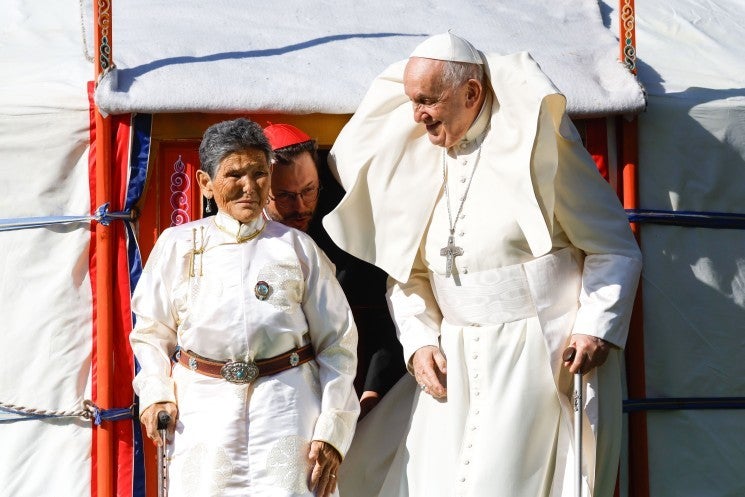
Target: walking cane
point(163, 420)
point(577, 403)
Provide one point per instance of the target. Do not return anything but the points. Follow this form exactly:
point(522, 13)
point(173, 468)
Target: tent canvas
point(182, 59)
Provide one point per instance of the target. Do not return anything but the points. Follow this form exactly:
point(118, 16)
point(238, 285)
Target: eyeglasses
point(307, 195)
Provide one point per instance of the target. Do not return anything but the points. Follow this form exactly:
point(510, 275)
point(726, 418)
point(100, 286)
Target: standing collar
point(240, 231)
point(478, 128)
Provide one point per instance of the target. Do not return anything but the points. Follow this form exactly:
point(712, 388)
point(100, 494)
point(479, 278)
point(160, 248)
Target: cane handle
point(569, 354)
point(163, 420)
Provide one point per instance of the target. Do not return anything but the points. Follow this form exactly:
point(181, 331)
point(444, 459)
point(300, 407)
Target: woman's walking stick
point(163, 420)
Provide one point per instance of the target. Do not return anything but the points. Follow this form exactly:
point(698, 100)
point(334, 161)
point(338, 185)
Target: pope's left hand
point(590, 353)
point(325, 461)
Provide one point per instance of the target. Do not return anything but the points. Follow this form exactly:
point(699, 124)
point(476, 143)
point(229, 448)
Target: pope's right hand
point(149, 419)
point(430, 370)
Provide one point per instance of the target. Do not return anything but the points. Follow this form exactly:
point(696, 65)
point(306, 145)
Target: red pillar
point(103, 435)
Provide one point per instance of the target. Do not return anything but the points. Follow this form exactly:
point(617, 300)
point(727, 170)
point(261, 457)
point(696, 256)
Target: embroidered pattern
point(286, 281)
point(287, 464)
point(310, 375)
point(338, 356)
point(206, 471)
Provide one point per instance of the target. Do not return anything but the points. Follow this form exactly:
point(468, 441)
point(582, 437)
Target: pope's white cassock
point(199, 291)
point(546, 252)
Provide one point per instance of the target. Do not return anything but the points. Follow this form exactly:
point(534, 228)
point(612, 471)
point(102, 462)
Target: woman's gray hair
point(229, 137)
point(454, 74)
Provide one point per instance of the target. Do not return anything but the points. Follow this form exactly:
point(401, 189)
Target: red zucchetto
point(284, 135)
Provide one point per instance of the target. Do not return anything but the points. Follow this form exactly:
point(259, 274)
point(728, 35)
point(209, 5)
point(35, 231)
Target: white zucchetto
point(447, 46)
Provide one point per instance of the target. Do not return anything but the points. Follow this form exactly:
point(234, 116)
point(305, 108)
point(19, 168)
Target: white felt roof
point(304, 57)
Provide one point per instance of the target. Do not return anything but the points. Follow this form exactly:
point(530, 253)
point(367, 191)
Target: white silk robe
point(197, 291)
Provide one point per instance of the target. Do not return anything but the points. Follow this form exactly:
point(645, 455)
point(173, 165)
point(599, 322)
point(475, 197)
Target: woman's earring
point(208, 207)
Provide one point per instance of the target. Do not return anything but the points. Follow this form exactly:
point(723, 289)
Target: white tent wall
point(237, 58)
point(45, 291)
point(692, 158)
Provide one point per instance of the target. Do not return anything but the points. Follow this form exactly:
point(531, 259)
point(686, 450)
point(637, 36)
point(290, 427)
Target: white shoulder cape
point(391, 172)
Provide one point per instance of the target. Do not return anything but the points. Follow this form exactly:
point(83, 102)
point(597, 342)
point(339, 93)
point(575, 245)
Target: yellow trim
point(242, 238)
point(324, 128)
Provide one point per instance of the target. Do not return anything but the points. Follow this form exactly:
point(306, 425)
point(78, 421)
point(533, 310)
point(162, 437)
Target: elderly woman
point(262, 339)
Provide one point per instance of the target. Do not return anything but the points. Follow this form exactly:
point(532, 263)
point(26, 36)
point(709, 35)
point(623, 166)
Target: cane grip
point(568, 354)
point(163, 420)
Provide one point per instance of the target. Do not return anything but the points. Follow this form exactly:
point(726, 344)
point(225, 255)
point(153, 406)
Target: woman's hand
point(325, 461)
point(149, 419)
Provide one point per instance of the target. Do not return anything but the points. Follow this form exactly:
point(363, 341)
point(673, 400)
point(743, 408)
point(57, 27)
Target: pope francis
point(469, 185)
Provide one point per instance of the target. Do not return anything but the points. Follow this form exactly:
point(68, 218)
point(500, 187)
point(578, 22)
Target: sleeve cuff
point(154, 389)
point(336, 429)
point(417, 337)
point(608, 291)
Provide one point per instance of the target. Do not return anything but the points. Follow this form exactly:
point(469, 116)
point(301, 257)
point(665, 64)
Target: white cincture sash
point(488, 297)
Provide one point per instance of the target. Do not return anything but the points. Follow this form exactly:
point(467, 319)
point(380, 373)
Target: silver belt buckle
point(240, 372)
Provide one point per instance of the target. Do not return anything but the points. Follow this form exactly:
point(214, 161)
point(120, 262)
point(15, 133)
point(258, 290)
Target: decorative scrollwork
point(180, 185)
point(104, 25)
point(627, 28)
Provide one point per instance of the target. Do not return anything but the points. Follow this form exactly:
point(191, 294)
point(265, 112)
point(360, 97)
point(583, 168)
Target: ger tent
point(67, 276)
point(692, 215)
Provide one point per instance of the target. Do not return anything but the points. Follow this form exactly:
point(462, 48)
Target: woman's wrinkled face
point(241, 184)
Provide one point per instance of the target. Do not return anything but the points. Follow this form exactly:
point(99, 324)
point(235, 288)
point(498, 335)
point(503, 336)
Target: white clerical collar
point(241, 231)
point(478, 128)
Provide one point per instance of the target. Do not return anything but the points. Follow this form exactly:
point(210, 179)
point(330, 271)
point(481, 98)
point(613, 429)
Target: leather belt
point(246, 372)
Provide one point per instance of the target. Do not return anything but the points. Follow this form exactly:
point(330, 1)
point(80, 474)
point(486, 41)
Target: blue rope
point(101, 216)
point(115, 414)
point(715, 220)
point(92, 411)
point(683, 403)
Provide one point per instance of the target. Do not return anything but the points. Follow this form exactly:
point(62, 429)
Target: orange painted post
point(104, 260)
point(635, 363)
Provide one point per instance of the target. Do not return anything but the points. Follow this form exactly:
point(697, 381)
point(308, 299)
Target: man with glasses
point(295, 183)
point(293, 201)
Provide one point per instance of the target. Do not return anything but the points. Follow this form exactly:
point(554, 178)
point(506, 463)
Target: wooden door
point(172, 196)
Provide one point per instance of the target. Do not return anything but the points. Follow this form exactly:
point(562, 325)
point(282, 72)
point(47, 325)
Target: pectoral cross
point(450, 251)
